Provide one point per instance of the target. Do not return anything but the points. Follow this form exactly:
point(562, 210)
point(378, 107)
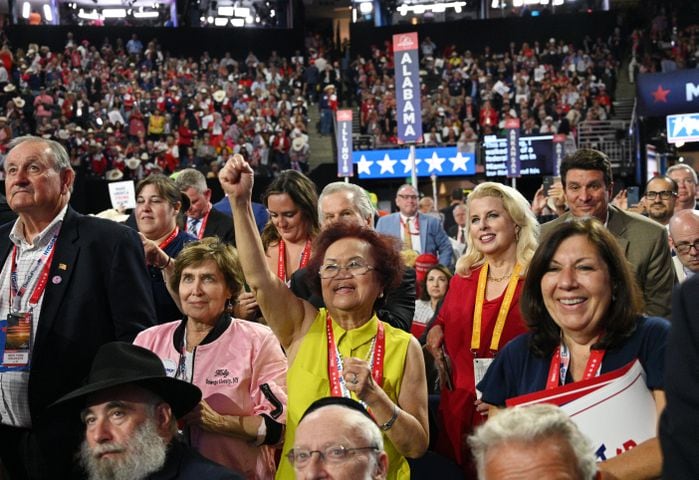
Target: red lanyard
point(281, 259)
point(561, 360)
point(18, 293)
point(336, 365)
point(202, 227)
point(163, 245)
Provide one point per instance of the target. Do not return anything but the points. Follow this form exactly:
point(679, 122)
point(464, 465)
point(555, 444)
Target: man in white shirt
point(203, 220)
point(69, 284)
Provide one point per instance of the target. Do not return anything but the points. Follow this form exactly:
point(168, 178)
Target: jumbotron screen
point(536, 155)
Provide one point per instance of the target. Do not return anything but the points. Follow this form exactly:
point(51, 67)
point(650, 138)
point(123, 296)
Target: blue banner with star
point(395, 163)
point(661, 94)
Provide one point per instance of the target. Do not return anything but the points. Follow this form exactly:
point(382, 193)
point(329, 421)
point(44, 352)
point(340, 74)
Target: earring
point(381, 295)
point(229, 306)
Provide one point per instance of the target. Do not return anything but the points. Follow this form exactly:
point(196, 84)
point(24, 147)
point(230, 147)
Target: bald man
point(337, 439)
point(684, 233)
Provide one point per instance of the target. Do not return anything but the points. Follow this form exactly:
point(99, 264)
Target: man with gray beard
point(130, 410)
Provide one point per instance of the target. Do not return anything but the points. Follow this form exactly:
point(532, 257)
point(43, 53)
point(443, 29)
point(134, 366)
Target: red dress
point(457, 412)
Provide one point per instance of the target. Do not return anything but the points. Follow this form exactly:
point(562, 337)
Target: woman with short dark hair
point(341, 350)
point(239, 365)
point(159, 204)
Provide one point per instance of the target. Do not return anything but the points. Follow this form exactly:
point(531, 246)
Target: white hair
point(682, 166)
point(59, 155)
point(531, 424)
point(191, 178)
point(360, 199)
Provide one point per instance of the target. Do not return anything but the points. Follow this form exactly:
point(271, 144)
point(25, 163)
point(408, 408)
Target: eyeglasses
point(333, 454)
point(664, 195)
point(684, 248)
point(407, 197)
point(354, 267)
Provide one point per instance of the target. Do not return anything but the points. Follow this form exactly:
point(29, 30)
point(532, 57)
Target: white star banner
point(395, 163)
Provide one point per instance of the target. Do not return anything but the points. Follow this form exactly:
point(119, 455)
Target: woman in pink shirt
point(239, 365)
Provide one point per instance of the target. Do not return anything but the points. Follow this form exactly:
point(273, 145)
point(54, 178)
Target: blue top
point(516, 371)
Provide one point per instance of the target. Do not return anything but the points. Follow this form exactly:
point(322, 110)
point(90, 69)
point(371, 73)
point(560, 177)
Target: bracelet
point(387, 426)
point(169, 259)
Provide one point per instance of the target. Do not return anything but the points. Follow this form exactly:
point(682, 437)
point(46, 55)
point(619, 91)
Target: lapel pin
point(56, 280)
point(62, 266)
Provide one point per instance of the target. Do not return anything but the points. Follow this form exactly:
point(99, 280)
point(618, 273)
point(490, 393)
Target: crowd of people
point(254, 328)
point(306, 336)
point(665, 47)
point(125, 110)
point(550, 87)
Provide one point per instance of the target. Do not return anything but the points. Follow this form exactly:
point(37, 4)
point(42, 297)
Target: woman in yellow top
point(344, 350)
point(156, 125)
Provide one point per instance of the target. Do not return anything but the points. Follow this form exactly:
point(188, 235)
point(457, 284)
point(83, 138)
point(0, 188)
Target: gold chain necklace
point(499, 279)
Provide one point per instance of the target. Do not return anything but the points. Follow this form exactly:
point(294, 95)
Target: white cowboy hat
point(19, 102)
point(133, 163)
point(219, 96)
point(114, 174)
point(297, 144)
point(113, 214)
point(9, 88)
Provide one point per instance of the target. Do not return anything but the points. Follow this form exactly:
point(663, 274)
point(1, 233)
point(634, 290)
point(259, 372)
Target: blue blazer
point(433, 238)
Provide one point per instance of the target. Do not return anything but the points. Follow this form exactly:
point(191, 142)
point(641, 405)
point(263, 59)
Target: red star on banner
point(660, 95)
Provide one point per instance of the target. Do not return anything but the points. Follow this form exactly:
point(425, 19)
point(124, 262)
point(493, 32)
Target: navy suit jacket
point(258, 210)
point(220, 225)
point(679, 424)
point(185, 463)
point(433, 238)
point(98, 291)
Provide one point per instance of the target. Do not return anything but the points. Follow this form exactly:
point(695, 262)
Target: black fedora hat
point(121, 363)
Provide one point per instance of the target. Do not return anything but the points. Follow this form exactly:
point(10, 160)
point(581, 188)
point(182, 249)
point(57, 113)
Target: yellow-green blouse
point(307, 378)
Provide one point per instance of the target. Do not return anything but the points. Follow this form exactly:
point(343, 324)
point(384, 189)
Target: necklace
point(499, 279)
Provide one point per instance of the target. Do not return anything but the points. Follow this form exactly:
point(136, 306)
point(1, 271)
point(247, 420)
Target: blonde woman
point(480, 313)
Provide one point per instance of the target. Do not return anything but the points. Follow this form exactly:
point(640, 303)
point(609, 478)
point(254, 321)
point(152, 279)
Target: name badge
point(170, 367)
point(15, 341)
point(480, 366)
